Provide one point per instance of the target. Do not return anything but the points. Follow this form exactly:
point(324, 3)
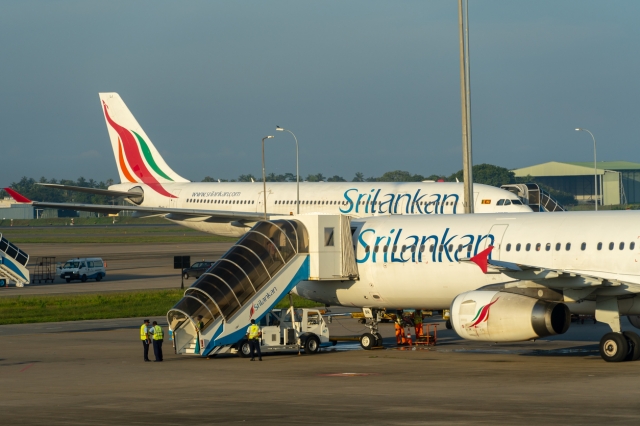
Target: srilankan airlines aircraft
point(505, 277)
point(152, 188)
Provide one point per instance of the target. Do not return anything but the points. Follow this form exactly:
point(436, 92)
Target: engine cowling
point(498, 316)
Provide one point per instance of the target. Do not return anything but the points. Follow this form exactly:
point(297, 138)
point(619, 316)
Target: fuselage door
point(498, 232)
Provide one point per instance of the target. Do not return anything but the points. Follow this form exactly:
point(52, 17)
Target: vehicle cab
point(82, 269)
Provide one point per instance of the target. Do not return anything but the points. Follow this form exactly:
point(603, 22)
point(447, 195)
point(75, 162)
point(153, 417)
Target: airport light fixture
point(280, 129)
point(595, 168)
point(264, 178)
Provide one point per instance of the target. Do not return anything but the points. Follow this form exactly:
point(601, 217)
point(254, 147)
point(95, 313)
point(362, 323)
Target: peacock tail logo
point(130, 145)
point(482, 315)
point(251, 312)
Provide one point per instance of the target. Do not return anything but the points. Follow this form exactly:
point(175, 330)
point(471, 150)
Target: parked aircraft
point(505, 277)
point(230, 208)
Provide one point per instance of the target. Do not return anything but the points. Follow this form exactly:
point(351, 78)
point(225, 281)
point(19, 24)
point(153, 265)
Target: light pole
point(595, 169)
point(280, 129)
point(264, 179)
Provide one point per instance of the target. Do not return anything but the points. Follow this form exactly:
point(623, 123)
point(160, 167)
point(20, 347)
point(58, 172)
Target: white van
point(82, 269)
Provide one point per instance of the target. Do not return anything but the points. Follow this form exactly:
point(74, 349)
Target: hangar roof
point(556, 168)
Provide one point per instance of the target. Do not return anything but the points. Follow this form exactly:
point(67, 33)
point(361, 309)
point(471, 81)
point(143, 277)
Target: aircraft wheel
point(312, 345)
point(614, 347)
point(378, 339)
point(634, 345)
point(367, 341)
point(244, 350)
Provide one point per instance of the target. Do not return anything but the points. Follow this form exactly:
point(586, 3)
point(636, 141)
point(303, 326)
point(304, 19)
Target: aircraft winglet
point(482, 259)
point(16, 196)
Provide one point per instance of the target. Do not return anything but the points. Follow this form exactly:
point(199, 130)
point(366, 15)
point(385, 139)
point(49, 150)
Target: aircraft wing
point(573, 282)
point(146, 211)
point(95, 191)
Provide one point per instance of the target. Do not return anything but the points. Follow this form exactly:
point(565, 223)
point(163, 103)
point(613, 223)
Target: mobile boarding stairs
point(13, 264)
point(255, 274)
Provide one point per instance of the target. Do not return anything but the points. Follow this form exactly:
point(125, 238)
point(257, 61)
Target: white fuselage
point(357, 199)
point(431, 277)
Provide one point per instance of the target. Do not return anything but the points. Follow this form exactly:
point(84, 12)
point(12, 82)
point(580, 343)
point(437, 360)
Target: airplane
point(504, 277)
point(152, 188)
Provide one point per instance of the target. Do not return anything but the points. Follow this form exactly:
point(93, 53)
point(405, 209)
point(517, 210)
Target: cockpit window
point(516, 202)
point(500, 203)
point(507, 202)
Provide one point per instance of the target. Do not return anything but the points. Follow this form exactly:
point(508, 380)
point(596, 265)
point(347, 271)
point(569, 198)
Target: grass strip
point(55, 308)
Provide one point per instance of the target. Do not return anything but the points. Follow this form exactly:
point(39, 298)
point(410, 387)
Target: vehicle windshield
point(70, 265)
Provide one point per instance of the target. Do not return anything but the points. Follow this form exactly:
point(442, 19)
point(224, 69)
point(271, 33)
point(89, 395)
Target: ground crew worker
point(199, 328)
point(144, 336)
point(417, 320)
point(158, 337)
point(253, 335)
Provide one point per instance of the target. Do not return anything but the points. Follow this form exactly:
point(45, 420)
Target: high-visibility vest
point(143, 332)
point(254, 331)
point(157, 333)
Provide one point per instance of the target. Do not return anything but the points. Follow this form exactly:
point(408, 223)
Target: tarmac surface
point(129, 266)
point(92, 372)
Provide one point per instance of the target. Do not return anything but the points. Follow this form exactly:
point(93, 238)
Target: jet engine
point(498, 316)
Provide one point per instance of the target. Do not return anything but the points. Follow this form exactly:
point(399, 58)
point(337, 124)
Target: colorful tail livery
point(137, 159)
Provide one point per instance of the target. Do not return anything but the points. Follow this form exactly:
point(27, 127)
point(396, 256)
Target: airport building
point(618, 181)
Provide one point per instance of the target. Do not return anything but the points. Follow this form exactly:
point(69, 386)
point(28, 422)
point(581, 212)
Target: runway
point(129, 266)
point(92, 372)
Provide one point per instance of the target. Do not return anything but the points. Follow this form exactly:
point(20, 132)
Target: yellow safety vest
point(254, 331)
point(157, 333)
point(143, 332)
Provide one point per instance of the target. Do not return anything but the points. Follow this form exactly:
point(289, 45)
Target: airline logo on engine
point(437, 248)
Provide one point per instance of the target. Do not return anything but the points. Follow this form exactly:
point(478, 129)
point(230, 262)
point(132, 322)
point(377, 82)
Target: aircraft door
point(260, 202)
point(498, 232)
point(173, 202)
point(401, 204)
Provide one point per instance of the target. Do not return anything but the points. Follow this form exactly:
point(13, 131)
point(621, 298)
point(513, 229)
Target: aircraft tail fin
point(137, 159)
point(17, 196)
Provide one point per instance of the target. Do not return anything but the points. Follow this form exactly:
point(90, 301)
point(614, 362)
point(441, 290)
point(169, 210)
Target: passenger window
point(440, 248)
point(413, 249)
point(450, 248)
point(375, 249)
point(632, 246)
point(599, 246)
point(558, 246)
point(459, 248)
point(394, 249)
point(431, 248)
point(422, 247)
point(538, 246)
point(528, 246)
point(509, 247)
point(366, 249)
point(404, 248)
point(567, 247)
point(621, 246)
point(547, 247)
point(611, 245)
point(583, 246)
point(500, 203)
point(385, 249)
point(518, 247)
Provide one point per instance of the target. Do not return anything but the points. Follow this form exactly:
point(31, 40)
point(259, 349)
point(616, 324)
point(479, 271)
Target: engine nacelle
point(498, 316)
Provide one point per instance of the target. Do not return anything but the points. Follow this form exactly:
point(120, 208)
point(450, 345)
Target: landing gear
point(368, 341)
point(373, 338)
point(614, 347)
point(633, 340)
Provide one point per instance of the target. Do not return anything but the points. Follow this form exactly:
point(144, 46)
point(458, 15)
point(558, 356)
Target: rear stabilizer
point(137, 159)
point(17, 196)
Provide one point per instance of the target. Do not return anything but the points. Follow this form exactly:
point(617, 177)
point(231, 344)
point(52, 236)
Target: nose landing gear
point(373, 338)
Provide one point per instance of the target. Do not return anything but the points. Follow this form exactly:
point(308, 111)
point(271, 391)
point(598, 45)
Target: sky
point(366, 86)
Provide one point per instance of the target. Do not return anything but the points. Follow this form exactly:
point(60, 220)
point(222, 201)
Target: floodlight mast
point(595, 168)
point(280, 129)
point(264, 179)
